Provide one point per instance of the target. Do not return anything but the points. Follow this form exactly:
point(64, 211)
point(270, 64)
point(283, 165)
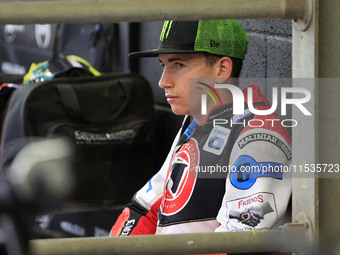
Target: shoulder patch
point(267, 138)
point(245, 171)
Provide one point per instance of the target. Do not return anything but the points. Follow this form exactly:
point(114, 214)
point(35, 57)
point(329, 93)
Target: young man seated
point(218, 175)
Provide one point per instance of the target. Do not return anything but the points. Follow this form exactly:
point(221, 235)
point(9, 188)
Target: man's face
point(178, 69)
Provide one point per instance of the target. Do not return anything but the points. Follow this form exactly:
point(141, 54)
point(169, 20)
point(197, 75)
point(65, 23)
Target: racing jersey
point(226, 175)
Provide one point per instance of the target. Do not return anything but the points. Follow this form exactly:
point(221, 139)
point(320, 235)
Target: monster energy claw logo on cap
point(166, 30)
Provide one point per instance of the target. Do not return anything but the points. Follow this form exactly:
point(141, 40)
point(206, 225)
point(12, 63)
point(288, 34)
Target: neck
point(226, 98)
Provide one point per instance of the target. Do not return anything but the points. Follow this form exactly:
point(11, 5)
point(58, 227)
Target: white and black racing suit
point(226, 175)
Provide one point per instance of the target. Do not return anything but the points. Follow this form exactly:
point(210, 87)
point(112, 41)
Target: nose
point(166, 80)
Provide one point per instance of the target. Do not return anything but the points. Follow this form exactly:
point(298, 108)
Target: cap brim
point(156, 52)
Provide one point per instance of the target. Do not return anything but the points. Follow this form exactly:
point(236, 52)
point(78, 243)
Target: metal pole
point(305, 193)
point(329, 150)
point(147, 10)
point(291, 238)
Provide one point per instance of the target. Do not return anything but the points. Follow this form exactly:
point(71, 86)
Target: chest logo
point(181, 179)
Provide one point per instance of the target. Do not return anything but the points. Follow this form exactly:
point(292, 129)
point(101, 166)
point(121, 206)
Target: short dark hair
point(211, 59)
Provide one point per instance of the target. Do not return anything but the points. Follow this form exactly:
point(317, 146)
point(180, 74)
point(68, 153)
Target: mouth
point(171, 98)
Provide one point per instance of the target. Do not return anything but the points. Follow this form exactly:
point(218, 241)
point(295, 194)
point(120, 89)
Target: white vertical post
point(305, 135)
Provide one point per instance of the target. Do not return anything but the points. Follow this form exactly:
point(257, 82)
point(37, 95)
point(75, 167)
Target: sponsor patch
point(217, 140)
point(246, 170)
point(267, 138)
point(257, 210)
point(83, 137)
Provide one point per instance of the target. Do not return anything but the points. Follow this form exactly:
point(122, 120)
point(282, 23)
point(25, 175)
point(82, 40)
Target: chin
point(179, 111)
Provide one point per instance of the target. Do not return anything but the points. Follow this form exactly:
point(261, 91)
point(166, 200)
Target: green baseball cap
point(221, 37)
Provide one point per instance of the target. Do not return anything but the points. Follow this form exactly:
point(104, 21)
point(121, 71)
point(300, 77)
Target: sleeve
point(140, 216)
point(258, 187)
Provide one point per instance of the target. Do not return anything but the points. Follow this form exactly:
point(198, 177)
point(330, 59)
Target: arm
point(257, 190)
point(136, 220)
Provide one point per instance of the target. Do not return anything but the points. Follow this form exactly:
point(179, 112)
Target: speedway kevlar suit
point(223, 176)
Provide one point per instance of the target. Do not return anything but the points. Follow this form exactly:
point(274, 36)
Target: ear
point(225, 67)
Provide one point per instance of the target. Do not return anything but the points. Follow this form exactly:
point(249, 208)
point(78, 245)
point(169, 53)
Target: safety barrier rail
point(289, 238)
point(107, 11)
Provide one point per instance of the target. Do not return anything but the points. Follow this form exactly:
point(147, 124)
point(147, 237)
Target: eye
point(179, 65)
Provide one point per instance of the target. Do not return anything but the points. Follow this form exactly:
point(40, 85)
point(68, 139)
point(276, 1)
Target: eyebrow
point(174, 59)
point(177, 59)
